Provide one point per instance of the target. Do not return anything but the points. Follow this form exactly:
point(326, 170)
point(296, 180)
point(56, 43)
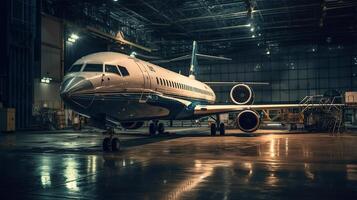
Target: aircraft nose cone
point(74, 85)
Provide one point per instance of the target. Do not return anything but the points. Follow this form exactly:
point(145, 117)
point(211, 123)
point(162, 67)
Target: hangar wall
point(293, 71)
point(47, 94)
point(20, 56)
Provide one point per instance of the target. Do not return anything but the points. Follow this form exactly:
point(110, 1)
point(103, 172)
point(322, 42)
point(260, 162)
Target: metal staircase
point(328, 116)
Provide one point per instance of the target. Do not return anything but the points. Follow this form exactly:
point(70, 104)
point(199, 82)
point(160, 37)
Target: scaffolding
point(327, 116)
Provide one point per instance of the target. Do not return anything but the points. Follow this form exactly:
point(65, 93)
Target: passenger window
point(157, 80)
point(93, 68)
point(112, 69)
point(160, 81)
point(75, 68)
point(123, 71)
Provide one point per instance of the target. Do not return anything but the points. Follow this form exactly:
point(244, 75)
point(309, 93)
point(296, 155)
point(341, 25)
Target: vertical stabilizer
point(193, 65)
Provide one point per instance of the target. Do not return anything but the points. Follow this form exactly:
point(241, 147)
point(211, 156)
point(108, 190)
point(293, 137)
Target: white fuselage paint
point(148, 92)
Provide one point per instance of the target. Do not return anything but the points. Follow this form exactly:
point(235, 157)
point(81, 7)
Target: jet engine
point(242, 94)
point(248, 121)
point(131, 125)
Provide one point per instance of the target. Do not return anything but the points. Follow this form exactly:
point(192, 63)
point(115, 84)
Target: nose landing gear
point(110, 143)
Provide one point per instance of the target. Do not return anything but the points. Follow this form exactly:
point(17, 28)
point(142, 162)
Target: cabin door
point(146, 75)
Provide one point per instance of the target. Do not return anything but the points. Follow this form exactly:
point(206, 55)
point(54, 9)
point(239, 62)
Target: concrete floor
point(187, 165)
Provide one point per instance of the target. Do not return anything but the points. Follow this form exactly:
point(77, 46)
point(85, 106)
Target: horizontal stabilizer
point(212, 57)
point(187, 57)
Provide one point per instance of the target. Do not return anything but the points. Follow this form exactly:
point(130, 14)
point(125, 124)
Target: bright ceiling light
point(46, 80)
point(74, 36)
point(249, 25)
point(71, 40)
point(268, 52)
point(252, 29)
point(253, 36)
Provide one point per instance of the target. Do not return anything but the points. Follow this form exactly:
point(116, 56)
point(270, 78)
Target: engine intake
point(248, 121)
point(131, 125)
point(242, 94)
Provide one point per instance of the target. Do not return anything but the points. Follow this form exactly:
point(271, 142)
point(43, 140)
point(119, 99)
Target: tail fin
point(194, 62)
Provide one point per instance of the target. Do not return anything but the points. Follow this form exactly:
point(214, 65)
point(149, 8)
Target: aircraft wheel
point(213, 129)
point(106, 144)
point(161, 128)
point(152, 129)
point(115, 144)
point(222, 129)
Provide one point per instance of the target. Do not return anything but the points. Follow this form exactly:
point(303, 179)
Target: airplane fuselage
point(122, 88)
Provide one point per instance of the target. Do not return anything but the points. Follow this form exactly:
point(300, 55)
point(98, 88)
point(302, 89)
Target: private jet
point(114, 89)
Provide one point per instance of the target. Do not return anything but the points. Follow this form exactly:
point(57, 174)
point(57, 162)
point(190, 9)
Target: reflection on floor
point(188, 164)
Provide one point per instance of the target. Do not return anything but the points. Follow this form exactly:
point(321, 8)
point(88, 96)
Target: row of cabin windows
point(173, 84)
point(121, 71)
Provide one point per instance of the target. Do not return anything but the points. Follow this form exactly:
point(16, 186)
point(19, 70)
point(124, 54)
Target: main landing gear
point(110, 143)
point(156, 127)
point(218, 126)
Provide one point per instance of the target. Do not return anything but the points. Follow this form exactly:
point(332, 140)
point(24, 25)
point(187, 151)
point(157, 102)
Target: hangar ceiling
point(218, 25)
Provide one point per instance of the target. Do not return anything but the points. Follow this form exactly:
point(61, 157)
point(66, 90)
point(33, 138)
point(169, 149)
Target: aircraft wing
point(232, 83)
point(219, 109)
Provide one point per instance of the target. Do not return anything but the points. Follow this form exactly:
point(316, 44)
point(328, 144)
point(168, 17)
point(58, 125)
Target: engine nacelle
point(248, 121)
point(242, 94)
point(131, 125)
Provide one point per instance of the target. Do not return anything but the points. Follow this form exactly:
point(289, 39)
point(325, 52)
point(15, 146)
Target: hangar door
point(47, 94)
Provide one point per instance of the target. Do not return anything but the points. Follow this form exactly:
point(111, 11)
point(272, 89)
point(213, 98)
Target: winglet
point(193, 65)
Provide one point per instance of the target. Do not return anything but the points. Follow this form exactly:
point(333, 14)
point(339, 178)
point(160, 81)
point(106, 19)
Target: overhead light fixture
point(249, 25)
point(46, 80)
point(115, 0)
point(252, 29)
point(268, 52)
point(253, 36)
point(72, 38)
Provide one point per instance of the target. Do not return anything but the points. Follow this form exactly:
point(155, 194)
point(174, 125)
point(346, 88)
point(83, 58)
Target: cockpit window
point(123, 71)
point(75, 68)
point(93, 68)
point(112, 69)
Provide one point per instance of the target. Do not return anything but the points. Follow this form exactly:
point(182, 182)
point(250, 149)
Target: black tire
point(152, 129)
point(213, 129)
point(106, 144)
point(115, 144)
point(222, 129)
point(161, 128)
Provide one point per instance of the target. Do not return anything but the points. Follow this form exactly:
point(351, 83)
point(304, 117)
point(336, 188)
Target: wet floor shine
point(183, 166)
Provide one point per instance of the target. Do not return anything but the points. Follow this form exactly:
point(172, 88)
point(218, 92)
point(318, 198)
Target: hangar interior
point(303, 51)
point(300, 48)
